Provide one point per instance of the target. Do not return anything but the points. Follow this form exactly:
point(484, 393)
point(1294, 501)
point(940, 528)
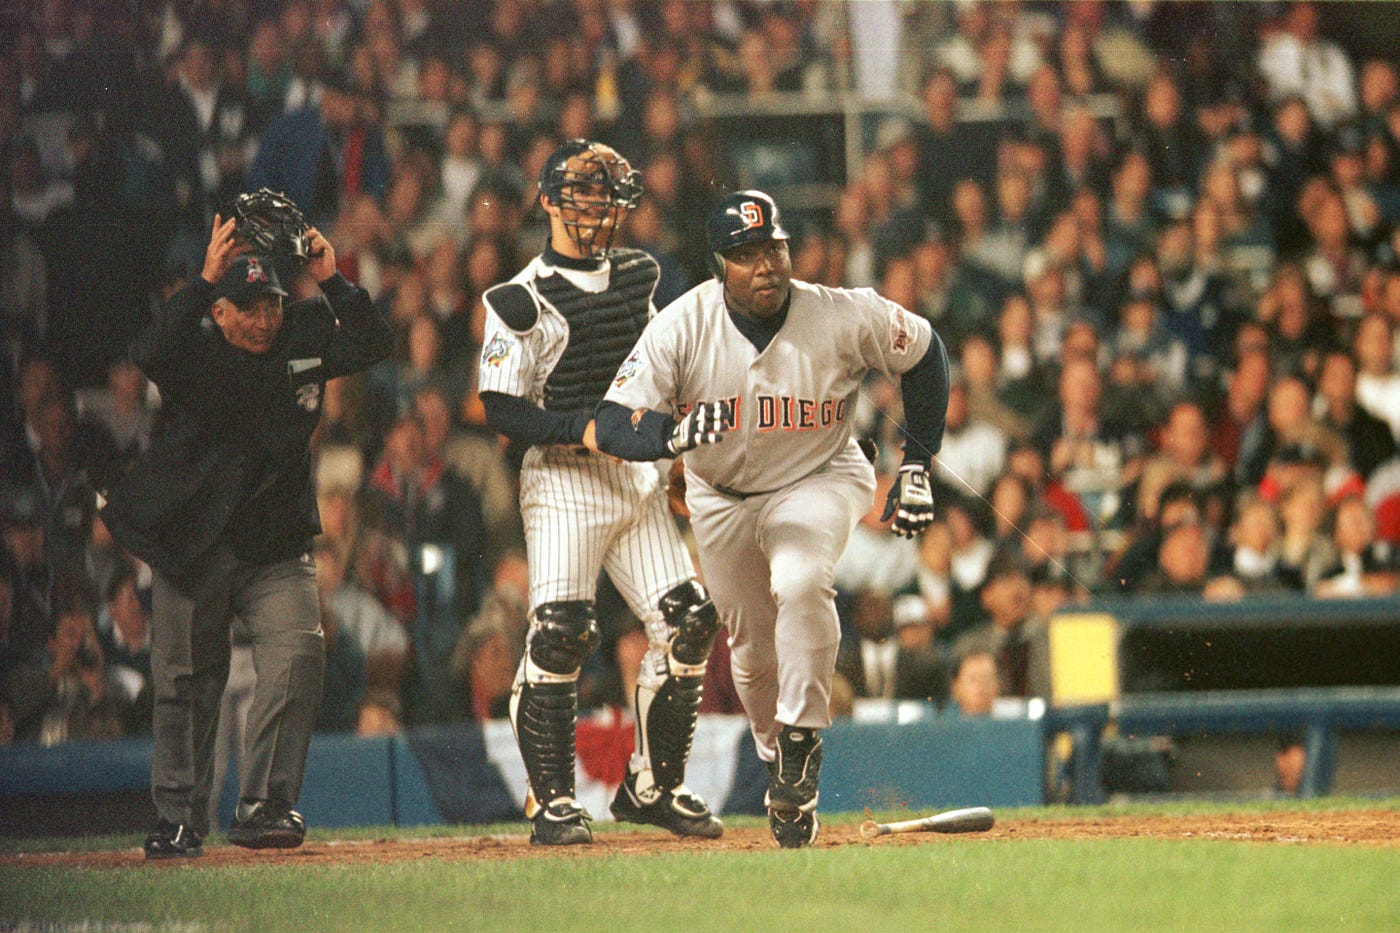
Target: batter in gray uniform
point(771, 367)
point(555, 336)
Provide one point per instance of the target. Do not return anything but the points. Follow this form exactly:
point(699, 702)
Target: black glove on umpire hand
point(703, 425)
point(910, 501)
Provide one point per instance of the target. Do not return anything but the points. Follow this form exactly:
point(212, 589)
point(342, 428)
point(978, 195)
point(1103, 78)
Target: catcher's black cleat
point(681, 810)
point(793, 829)
point(562, 823)
point(173, 840)
point(267, 824)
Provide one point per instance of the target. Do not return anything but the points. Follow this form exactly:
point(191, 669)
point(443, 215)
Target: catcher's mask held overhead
point(268, 222)
point(742, 217)
point(592, 185)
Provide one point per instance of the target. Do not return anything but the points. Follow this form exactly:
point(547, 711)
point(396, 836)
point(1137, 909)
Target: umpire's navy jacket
point(231, 461)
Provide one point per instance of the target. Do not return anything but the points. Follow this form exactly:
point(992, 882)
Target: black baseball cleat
point(795, 769)
point(681, 811)
point(173, 840)
point(793, 829)
point(562, 823)
point(267, 824)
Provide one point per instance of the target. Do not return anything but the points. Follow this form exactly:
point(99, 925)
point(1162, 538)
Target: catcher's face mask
point(271, 224)
point(590, 188)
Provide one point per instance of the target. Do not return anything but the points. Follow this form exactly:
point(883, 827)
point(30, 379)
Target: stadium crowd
point(1162, 243)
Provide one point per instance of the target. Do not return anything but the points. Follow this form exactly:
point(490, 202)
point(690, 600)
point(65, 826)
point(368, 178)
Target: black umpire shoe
point(680, 810)
point(562, 823)
point(173, 840)
point(267, 824)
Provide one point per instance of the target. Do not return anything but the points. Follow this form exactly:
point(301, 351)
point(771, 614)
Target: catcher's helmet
point(742, 217)
point(268, 222)
point(593, 184)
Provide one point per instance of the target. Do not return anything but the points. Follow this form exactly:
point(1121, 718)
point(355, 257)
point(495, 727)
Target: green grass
point(1040, 884)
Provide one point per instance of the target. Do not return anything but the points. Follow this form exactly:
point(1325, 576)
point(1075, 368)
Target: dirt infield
point(1379, 828)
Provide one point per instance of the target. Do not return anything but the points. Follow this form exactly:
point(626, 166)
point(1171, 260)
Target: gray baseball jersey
point(773, 504)
point(583, 511)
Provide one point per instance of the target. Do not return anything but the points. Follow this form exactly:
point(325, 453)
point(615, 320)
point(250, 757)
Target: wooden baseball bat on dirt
point(966, 820)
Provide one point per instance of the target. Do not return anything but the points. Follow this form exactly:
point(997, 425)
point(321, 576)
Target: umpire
point(222, 508)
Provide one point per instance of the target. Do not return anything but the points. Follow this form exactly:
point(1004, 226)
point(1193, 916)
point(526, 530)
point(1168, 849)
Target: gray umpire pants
point(189, 665)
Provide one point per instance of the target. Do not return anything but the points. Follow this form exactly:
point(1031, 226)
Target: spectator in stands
point(123, 410)
point(1183, 559)
point(1334, 265)
point(492, 643)
point(881, 660)
point(438, 519)
point(1011, 497)
point(1241, 427)
point(79, 699)
point(124, 632)
point(974, 450)
point(344, 690)
point(979, 369)
point(328, 149)
point(1253, 557)
point(973, 687)
point(1005, 598)
point(1203, 309)
point(1369, 439)
point(929, 597)
point(1365, 565)
point(1184, 455)
point(1305, 549)
point(947, 151)
point(376, 653)
point(1295, 60)
point(1167, 136)
point(1377, 382)
point(1002, 247)
point(1295, 155)
point(1090, 454)
point(1129, 225)
point(1023, 377)
point(944, 295)
point(1294, 433)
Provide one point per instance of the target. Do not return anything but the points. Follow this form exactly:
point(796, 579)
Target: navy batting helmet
point(742, 217)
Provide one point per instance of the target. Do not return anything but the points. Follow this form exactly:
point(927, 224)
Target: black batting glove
point(704, 424)
point(910, 501)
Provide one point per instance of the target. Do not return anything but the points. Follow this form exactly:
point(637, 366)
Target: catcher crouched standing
point(222, 508)
point(555, 335)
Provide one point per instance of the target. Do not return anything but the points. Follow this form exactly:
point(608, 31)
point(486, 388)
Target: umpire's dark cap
point(248, 277)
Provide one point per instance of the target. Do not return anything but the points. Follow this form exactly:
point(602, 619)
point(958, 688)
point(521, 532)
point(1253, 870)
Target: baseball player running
point(555, 336)
point(771, 366)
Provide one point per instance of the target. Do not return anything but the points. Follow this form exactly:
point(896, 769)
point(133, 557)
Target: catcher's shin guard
point(669, 688)
point(544, 700)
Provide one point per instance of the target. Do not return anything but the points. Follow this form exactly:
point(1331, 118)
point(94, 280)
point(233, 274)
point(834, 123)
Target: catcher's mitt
point(269, 223)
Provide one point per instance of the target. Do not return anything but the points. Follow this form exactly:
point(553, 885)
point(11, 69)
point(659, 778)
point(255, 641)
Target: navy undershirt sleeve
point(528, 424)
point(924, 389)
point(643, 441)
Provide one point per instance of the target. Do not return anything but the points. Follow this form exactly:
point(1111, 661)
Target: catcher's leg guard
point(668, 703)
point(544, 702)
point(668, 690)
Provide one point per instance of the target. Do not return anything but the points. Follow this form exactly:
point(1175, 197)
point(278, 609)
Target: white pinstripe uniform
point(773, 505)
point(582, 512)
